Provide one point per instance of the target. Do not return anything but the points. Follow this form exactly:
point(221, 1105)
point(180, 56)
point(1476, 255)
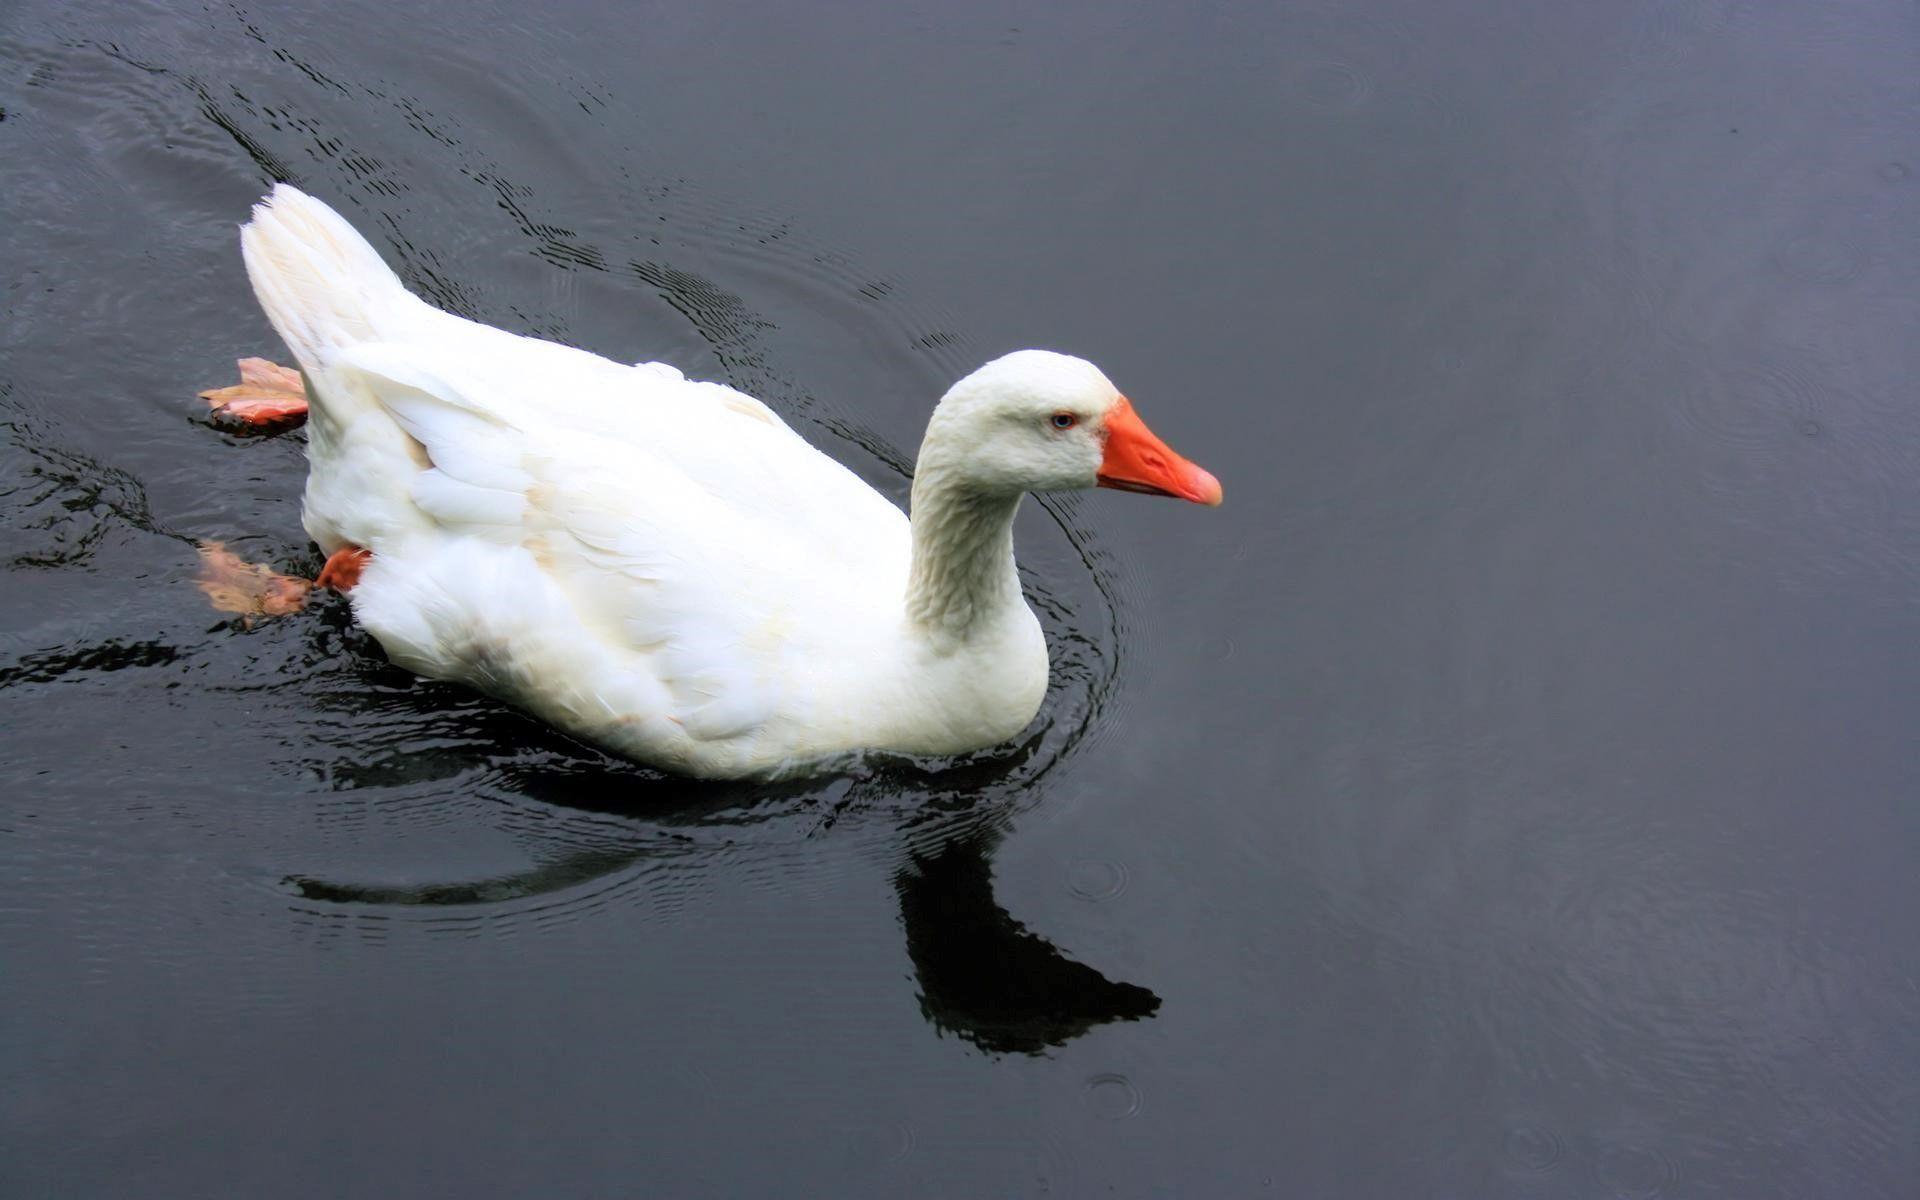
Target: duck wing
point(716, 577)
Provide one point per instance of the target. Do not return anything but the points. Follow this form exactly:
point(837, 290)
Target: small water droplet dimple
point(1830, 253)
point(1810, 429)
point(1113, 1097)
point(880, 1143)
point(1096, 879)
point(1894, 172)
point(1634, 1172)
point(1329, 83)
point(1532, 1148)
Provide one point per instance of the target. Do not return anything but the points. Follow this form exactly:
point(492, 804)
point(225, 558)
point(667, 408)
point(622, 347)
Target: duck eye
point(1065, 420)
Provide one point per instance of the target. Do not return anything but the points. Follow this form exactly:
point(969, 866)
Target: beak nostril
point(1134, 460)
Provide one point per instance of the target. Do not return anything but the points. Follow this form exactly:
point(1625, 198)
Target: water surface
point(1510, 792)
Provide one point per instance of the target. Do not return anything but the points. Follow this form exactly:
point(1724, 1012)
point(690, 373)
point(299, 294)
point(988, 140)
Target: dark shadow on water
point(983, 976)
point(572, 871)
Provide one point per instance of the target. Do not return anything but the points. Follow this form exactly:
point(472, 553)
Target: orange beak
point(1138, 461)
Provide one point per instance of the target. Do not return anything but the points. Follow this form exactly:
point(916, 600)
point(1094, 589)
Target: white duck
point(662, 566)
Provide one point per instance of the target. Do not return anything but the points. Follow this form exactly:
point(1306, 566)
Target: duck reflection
point(982, 975)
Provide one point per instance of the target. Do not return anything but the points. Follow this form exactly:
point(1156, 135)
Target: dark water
point(1512, 792)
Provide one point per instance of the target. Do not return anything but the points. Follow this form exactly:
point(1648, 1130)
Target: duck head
point(1038, 421)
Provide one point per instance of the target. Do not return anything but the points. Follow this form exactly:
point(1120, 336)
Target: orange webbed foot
point(343, 568)
point(237, 586)
point(268, 399)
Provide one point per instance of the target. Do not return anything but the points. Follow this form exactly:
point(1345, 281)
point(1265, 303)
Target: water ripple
point(387, 760)
point(1113, 1097)
point(1631, 1171)
point(1532, 1149)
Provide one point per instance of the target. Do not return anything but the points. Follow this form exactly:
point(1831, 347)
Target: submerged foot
point(235, 585)
point(253, 591)
point(268, 399)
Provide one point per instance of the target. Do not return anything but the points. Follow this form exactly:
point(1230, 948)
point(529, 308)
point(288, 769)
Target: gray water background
point(1511, 792)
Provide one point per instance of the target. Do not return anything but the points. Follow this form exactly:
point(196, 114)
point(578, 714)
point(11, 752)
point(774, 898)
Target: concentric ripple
point(1113, 1097)
point(395, 761)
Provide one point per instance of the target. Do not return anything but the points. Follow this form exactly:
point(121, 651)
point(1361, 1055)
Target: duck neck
point(963, 582)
